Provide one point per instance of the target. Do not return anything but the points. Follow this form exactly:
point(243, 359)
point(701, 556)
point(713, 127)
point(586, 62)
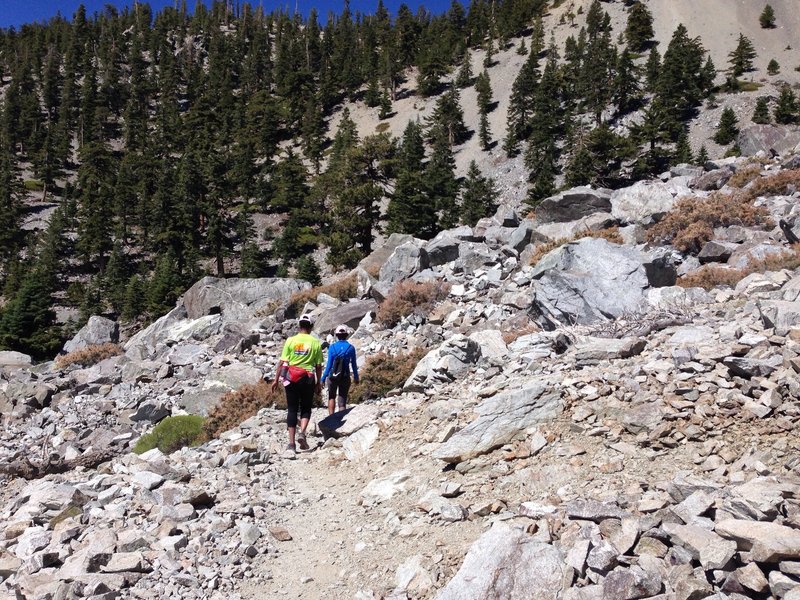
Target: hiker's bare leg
point(331, 406)
point(292, 431)
point(303, 426)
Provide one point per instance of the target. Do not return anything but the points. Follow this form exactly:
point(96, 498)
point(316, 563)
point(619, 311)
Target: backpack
point(338, 368)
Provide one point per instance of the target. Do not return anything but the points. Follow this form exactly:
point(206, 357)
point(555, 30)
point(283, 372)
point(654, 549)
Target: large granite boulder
point(349, 313)
point(645, 202)
point(98, 330)
point(571, 229)
point(442, 249)
point(507, 563)
point(9, 358)
point(591, 280)
point(573, 204)
point(407, 259)
point(781, 139)
point(501, 419)
point(446, 363)
point(373, 263)
point(143, 345)
point(238, 299)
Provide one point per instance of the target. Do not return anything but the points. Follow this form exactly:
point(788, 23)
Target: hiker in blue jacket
point(341, 360)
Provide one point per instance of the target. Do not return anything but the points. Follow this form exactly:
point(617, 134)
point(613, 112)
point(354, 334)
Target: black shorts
point(338, 387)
point(299, 398)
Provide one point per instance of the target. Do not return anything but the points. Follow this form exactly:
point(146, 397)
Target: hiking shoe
point(290, 452)
point(301, 441)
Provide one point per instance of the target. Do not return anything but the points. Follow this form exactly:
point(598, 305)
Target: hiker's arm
point(319, 377)
point(278, 370)
point(327, 367)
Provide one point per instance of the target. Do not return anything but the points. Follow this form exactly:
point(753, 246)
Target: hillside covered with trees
point(159, 137)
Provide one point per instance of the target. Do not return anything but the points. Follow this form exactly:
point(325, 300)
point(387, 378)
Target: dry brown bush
point(91, 355)
point(611, 234)
point(710, 276)
point(407, 297)
point(343, 289)
point(784, 183)
point(511, 335)
point(744, 176)
point(237, 406)
point(691, 222)
point(382, 373)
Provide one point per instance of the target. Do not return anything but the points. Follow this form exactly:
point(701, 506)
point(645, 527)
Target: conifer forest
point(158, 138)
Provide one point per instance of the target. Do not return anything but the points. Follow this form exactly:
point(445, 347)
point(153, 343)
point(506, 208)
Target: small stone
point(281, 534)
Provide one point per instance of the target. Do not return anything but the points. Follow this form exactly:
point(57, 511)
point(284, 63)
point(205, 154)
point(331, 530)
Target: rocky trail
point(578, 426)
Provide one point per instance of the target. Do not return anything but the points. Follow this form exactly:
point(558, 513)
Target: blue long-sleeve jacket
point(345, 349)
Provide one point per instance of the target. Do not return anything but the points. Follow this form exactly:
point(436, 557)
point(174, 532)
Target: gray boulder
point(750, 253)
point(573, 204)
point(442, 249)
point(238, 299)
point(9, 358)
point(570, 229)
point(590, 280)
point(446, 363)
point(501, 419)
point(143, 345)
point(780, 314)
point(349, 313)
point(713, 180)
point(347, 422)
point(591, 350)
point(98, 330)
point(715, 251)
point(645, 202)
point(780, 139)
point(406, 260)
point(509, 564)
point(373, 263)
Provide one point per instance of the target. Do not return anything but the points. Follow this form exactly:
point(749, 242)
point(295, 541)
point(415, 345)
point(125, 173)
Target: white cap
point(306, 318)
point(342, 329)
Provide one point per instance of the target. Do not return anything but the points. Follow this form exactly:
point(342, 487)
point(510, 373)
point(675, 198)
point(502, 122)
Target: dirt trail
point(341, 547)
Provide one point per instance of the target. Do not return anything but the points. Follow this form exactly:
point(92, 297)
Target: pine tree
point(639, 29)
point(484, 88)
point(741, 58)
point(652, 69)
point(308, 270)
point(447, 119)
point(761, 114)
point(727, 129)
point(767, 18)
point(134, 302)
point(702, 156)
point(409, 210)
point(519, 109)
point(522, 49)
point(627, 89)
point(479, 196)
point(464, 77)
point(11, 237)
point(786, 108)
point(773, 68)
point(683, 150)
point(441, 186)
point(385, 106)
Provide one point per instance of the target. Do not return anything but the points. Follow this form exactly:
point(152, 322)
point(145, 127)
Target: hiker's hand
point(274, 385)
point(319, 387)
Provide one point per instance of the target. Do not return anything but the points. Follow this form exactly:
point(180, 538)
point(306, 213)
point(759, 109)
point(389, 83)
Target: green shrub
point(173, 433)
point(33, 185)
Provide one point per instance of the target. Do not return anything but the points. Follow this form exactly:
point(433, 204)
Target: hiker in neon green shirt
point(300, 368)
